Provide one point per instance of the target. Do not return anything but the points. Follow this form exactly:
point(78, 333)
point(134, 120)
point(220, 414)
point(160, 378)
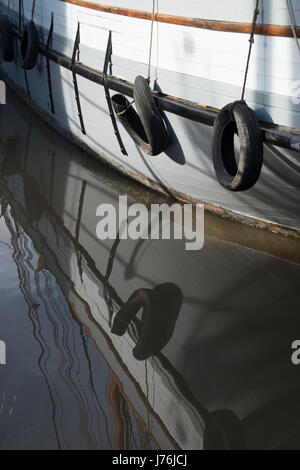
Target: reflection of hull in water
point(138, 380)
point(186, 168)
point(82, 390)
point(221, 354)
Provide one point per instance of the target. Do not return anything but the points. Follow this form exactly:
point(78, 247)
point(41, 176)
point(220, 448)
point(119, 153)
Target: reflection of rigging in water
point(142, 330)
point(40, 289)
point(106, 292)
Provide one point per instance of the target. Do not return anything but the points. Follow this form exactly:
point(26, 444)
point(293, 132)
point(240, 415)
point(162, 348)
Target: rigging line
point(78, 224)
point(106, 289)
point(27, 83)
point(20, 15)
point(148, 398)
point(251, 40)
point(23, 14)
point(107, 94)
point(289, 7)
point(77, 97)
point(33, 9)
point(49, 43)
point(151, 39)
point(80, 209)
point(7, 244)
point(109, 268)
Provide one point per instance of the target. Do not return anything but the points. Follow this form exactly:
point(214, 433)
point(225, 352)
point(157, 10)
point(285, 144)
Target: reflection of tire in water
point(11, 164)
point(223, 431)
point(33, 199)
point(161, 307)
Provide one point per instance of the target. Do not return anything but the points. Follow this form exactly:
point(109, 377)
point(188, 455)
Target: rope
point(150, 56)
point(21, 15)
point(251, 40)
point(292, 23)
point(151, 39)
point(126, 109)
point(33, 9)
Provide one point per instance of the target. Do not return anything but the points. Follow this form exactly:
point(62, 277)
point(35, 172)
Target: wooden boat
point(225, 352)
point(198, 62)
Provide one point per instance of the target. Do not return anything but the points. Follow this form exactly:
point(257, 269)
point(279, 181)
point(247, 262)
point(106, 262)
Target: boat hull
point(185, 171)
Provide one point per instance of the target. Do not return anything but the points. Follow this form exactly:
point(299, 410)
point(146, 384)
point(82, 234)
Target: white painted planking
point(100, 22)
point(193, 51)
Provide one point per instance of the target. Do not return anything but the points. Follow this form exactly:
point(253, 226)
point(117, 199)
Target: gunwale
point(208, 24)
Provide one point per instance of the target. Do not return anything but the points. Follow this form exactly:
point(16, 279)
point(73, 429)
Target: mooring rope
point(151, 40)
point(251, 40)
point(292, 23)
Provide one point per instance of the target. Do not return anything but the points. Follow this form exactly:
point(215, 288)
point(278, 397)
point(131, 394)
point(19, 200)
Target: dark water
point(217, 338)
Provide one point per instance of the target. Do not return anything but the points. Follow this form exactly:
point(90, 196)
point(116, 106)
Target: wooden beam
point(212, 25)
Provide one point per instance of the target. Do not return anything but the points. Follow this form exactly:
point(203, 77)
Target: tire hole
point(230, 149)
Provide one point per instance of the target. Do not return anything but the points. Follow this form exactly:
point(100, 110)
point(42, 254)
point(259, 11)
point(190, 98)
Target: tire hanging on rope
point(30, 43)
point(238, 118)
point(147, 126)
point(242, 175)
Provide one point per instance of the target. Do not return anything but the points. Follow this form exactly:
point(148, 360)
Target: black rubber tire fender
point(29, 46)
point(6, 39)
point(237, 118)
point(146, 126)
point(223, 431)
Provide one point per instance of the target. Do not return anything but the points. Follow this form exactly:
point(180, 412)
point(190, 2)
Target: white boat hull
point(187, 63)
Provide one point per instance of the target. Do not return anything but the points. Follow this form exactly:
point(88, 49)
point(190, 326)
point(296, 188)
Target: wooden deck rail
point(213, 25)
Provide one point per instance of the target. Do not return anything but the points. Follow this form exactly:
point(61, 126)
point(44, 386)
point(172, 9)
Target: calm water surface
point(210, 357)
